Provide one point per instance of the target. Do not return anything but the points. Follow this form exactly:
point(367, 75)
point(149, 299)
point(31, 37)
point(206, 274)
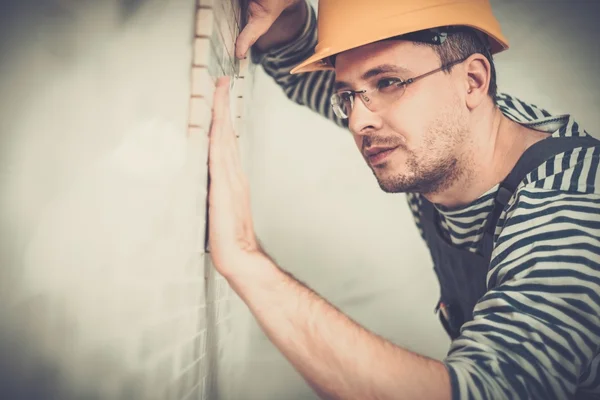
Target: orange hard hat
point(347, 24)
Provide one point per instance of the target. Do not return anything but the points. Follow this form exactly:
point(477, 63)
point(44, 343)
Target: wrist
point(286, 29)
point(251, 271)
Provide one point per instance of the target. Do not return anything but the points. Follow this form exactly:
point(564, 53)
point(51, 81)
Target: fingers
point(220, 110)
point(254, 29)
point(216, 127)
point(221, 129)
point(224, 159)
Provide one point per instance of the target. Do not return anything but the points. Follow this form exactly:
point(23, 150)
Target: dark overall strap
point(532, 158)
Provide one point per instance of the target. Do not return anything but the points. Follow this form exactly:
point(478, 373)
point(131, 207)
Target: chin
point(395, 184)
point(390, 178)
point(389, 187)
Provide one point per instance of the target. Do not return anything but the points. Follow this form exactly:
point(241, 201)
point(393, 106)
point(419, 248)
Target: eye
point(388, 83)
point(345, 97)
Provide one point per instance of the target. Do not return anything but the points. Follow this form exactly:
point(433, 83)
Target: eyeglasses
point(387, 91)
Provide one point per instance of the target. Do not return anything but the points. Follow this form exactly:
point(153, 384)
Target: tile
point(195, 294)
point(219, 12)
point(191, 379)
point(181, 387)
point(239, 107)
point(202, 51)
point(196, 374)
point(202, 324)
point(216, 40)
point(215, 68)
point(204, 22)
point(200, 113)
point(187, 327)
point(193, 268)
point(194, 132)
point(207, 3)
point(243, 67)
point(171, 298)
point(229, 42)
point(197, 155)
point(238, 125)
point(186, 356)
point(196, 348)
point(165, 367)
point(202, 84)
point(194, 393)
point(203, 344)
point(230, 22)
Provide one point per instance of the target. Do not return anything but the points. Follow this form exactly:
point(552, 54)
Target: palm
point(231, 233)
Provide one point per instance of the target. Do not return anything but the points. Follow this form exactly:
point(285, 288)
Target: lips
point(376, 150)
point(379, 154)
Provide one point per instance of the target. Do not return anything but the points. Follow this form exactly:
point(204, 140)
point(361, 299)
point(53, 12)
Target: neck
point(494, 146)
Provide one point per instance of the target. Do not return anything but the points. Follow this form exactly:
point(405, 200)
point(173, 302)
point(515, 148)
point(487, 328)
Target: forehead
point(407, 56)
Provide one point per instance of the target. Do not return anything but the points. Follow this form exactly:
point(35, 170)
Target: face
point(414, 143)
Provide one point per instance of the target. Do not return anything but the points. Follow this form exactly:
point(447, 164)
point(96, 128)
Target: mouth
point(379, 156)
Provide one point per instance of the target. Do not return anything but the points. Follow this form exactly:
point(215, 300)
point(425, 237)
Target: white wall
point(321, 214)
point(102, 207)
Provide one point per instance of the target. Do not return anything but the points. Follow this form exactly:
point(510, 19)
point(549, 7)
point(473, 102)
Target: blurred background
point(105, 289)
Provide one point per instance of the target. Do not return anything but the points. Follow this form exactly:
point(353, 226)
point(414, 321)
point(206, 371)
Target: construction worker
point(506, 196)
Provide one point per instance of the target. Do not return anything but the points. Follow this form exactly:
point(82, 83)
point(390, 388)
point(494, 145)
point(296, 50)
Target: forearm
point(285, 29)
point(335, 355)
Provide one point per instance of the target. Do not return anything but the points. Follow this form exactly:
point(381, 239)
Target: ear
point(477, 80)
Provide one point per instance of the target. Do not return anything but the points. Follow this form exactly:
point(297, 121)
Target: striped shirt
point(536, 332)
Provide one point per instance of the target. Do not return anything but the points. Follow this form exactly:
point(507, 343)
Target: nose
point(361, 120)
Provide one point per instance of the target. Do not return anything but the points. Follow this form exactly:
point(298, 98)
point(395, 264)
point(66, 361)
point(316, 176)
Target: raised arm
point(283, 33)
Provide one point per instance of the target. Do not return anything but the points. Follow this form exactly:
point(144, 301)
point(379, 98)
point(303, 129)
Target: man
point(506, 196)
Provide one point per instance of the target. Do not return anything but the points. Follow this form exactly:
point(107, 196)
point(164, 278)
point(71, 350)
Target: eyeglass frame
point(405, 83)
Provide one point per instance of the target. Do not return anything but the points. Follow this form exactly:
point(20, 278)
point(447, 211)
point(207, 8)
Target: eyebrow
point(378, 70)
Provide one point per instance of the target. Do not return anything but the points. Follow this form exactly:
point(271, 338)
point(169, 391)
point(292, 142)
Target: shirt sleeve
point(311, 89)
point(536, 332)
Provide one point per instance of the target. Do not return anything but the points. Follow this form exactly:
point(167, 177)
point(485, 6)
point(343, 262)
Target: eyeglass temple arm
point(448, 65)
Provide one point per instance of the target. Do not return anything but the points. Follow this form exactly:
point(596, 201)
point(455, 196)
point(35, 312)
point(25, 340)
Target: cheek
point(411, 123)
point(414, 115)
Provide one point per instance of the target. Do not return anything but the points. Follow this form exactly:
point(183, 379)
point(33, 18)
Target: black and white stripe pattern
point(536, 332)
point(464, 226)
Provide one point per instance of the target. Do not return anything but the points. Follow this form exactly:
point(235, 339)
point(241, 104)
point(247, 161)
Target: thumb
point(257, 26)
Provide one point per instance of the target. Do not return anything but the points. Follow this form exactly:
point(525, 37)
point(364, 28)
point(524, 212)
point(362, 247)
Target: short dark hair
point(462, 44)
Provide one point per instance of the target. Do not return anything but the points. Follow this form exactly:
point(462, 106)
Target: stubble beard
point(424, 179)
point(439, 165)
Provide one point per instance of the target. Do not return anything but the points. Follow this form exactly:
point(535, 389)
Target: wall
point(107, 291)
point(321, 214)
